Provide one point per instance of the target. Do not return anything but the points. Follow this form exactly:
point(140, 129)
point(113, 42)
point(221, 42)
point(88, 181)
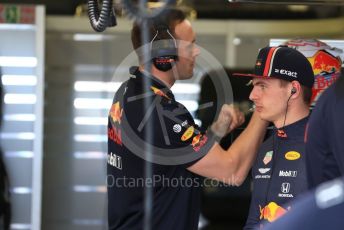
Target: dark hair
point(307, 94)
point(169, 18)
point(306, 91)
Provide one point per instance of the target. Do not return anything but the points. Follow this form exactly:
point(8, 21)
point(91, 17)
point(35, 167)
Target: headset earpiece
point(163, 50)
point(293, 90)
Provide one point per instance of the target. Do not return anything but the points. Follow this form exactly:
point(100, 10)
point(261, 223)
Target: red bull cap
point(283, 63)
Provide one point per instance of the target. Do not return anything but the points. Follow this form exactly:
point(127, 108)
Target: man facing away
point(182, 154)
point(281, 92)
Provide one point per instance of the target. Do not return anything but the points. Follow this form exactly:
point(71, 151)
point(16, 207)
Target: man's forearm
point(244, 149)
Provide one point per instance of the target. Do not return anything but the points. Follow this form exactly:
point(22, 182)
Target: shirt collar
point(157, 86)
point(294, 130)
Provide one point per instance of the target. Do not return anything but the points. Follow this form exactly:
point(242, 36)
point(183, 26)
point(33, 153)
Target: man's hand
point(229, 118)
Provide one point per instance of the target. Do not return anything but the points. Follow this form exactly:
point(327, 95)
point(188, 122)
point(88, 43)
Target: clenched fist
point(229, 118)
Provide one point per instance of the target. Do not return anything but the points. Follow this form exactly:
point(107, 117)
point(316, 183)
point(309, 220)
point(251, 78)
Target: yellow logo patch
point(188, 133)
point(292, 155)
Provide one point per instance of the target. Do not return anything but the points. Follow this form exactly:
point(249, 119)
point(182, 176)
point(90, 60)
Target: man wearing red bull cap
point(322, 207)
point(181, 153)
point(282, 83)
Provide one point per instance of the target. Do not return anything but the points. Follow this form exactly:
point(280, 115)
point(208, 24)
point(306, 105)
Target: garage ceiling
point(222, 9)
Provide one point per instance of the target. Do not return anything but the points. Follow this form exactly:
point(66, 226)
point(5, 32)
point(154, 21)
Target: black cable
point(274, 152)
point(286, 111)
point(106, 17)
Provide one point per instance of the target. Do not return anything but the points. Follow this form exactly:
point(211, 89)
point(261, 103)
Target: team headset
point(164, 51)
point(292, 92)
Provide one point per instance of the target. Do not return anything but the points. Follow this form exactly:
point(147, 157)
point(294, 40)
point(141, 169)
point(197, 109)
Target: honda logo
point(285, 188)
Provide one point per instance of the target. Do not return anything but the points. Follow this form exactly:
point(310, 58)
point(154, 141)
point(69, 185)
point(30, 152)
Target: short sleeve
point(181, 135)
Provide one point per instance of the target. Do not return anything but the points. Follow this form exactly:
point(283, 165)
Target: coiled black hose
point(106, 18)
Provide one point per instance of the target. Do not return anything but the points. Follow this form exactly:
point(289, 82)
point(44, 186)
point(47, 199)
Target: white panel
point(22, 66)
point(38, 128)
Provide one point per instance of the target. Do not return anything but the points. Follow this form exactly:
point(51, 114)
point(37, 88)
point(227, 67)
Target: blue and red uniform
point(279, 174)
point(176, 142)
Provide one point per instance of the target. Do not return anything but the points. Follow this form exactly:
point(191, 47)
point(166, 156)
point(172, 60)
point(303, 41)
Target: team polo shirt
point(176, 144)
point(321, 208)
point(325, 136)
point(279, 174)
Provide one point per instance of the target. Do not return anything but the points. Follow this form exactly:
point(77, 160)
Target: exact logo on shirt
point(287, 173)
point(285, 189)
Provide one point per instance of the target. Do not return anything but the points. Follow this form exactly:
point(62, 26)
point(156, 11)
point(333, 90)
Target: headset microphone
point(293, 90)
point(163, 51)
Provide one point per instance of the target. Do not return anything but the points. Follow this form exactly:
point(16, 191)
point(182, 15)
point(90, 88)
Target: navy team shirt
point(176, 140)
point(325, 136)
point(279, 174)
point(321, 208)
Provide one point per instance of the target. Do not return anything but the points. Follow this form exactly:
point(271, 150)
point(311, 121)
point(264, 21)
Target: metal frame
point(38, 125)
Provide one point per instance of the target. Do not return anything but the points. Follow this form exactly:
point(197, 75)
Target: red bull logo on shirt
point(281, 133)
point(271, 212)
point(159, 92)
point(116, 113)
point(115, 135)
point(199, 141)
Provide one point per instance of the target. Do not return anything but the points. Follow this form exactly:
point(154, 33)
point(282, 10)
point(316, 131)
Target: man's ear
point(295, 88)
